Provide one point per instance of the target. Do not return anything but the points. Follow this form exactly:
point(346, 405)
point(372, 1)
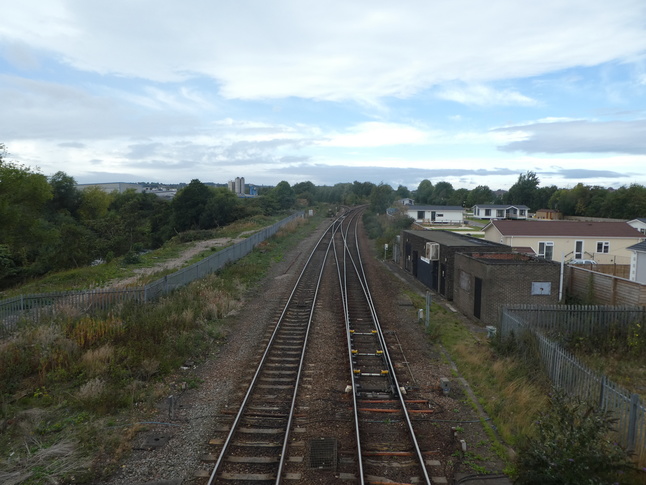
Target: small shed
point(486, 281)
point(549, 215)
point(429, 256)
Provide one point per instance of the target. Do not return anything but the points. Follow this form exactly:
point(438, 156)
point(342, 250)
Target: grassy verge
point(507, 388)
point(74, 390)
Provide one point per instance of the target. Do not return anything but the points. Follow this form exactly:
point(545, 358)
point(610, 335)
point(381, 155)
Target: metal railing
point(568, 374)
point(34, 308)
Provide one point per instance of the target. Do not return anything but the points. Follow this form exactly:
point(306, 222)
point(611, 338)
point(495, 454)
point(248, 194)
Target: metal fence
point(571, 376)
point(37, 307)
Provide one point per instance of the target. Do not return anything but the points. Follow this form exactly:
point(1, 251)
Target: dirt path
point(179, 261)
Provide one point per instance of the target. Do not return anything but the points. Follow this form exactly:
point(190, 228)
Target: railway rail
point(378, 415)
point(388, 448)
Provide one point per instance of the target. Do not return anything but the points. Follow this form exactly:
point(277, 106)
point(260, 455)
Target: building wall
point(503, 284)
point(638, 267)
point(564, 246)
point(437, 275)
point(441, 216)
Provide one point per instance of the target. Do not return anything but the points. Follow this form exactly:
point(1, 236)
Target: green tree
point(221, 209)
point(65, 195)
point(442, 193)
point(482, 194)
point(189, 204)
point(282, 196)
point(402, 192)
point(381, 197)
point(424, 193)
point(459, 197)
point(305, 191)
point(524, 190)
point(94, 204)
point(23, 198)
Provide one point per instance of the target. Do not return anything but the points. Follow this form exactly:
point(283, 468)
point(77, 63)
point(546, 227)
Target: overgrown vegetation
point(74, 390)
point(571, 446)
point(547, 430)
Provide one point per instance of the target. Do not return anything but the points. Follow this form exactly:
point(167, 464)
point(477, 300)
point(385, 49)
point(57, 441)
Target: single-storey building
point(639, 224)
point(493, 211)
point(436, 214)
point(638, 262)
point(603, 242)
point(487, 281)
point(429, 256)
point(548, 214)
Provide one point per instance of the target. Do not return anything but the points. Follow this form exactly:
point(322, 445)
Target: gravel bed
point(171, 452)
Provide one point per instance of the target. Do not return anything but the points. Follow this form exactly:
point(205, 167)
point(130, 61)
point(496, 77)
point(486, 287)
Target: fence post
point(632, 422)
point(602, 393)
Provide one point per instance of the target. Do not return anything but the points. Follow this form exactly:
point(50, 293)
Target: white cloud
point(375, 134)
point(481, 95)
point(333, 50)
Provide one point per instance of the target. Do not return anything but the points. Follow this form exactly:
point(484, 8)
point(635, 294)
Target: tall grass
point(84, 370)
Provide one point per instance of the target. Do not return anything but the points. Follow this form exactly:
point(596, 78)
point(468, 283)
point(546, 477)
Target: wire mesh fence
point(34, 308)
point(567, 373)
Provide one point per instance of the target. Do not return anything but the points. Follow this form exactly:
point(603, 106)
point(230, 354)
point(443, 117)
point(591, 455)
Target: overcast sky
point(463, 91)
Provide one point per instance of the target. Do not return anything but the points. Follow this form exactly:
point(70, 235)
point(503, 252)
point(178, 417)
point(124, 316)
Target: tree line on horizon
point(49, 224)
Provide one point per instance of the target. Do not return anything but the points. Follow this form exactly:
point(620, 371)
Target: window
point(545, 249)
point(487, 212)
point(578, 249)
point(522, 212)
point(603, 246)
point(642, 230)
point(500, 213)
point(420, 215)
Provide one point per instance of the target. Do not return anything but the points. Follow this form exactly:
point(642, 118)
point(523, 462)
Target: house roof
point(435, 208)
point(448, 238)
point(638, 247)
point(500, 206)
point(640, 219)
point(564, 228)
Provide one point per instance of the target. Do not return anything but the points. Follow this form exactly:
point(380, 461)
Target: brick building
point(485, 282)
point(430, 255)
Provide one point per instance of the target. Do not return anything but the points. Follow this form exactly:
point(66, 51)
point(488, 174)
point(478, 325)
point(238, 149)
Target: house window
point(439, 215)
point(603, 246)
point(545, 249)
point(487, 212)
point(642, 230)
point(522, 212)
point(420, 215)
point(500, 213)
point(578, 249)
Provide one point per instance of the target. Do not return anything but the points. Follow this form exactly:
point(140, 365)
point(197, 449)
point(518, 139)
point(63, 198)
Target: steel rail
point(346, 312)
point(228, 440)
point(360, 271)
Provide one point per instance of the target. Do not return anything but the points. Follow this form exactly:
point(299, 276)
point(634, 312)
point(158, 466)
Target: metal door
point(477, 298)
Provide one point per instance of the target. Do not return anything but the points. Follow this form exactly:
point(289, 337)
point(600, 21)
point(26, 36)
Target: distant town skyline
point(464, 92)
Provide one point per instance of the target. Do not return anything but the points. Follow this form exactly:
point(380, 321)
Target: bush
point(572, 447)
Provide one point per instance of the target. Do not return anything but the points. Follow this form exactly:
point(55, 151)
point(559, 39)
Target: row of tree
point(47, 223)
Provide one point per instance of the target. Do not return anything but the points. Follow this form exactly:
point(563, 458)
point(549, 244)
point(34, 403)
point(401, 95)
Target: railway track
point(362, 430)
point(388, 449)
point(253, 447)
